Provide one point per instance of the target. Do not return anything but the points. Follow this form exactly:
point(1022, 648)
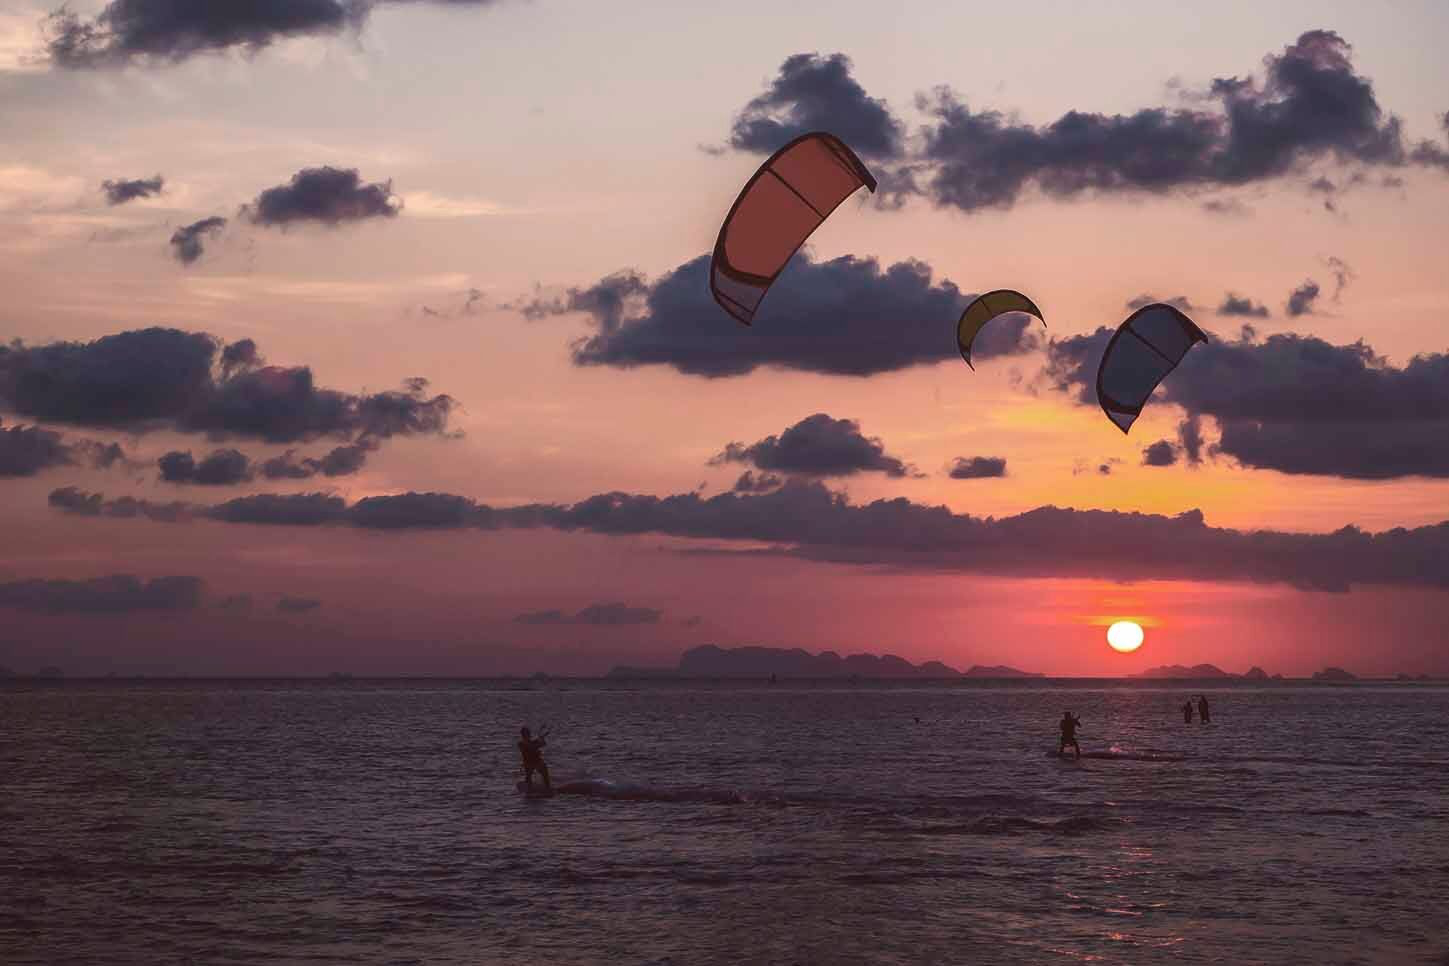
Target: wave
point(624, 792)
point(1116, 754)
point(1012, 824)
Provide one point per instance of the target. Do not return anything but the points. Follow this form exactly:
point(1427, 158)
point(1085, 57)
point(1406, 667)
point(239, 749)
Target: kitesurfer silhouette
point(1070, 724)
point(531, 749)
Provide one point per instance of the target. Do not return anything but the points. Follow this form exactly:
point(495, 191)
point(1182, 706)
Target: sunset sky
point(515, 200)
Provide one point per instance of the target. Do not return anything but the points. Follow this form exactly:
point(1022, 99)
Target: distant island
point(710, 660)
point(1197, 671)
point(1334, 674)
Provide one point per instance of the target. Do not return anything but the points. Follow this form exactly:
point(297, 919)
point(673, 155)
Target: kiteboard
point(533, 791)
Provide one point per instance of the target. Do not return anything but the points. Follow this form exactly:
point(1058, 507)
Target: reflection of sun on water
point(1125, 636)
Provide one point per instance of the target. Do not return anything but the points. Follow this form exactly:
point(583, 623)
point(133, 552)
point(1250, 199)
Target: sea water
point(378, 822)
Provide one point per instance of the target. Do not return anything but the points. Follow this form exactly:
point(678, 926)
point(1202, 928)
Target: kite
point(1141, 353)
point(985, 308)
point(789, 197)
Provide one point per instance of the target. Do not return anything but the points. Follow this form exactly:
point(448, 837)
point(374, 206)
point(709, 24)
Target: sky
point(375, 336)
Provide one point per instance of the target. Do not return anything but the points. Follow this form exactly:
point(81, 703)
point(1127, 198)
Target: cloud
point(614, 614)
point(189, 382)
point(1189, 438)
point(818, 446)
point(326, 195)
point(1181, 302)
point(763, 483)
point(122, 190)
point(28, 450)
point(117, 594)
point(297, 605)
point(1298, 404)
point(1342, 274)
point(846, 316)
point(1160, 453)
point(1234, 304)
point(224, 467)
point(1301, 299)
point(188, 242)
point(978, 467)
point(813, 92)
point(812, 522)
point(164, 30)
point(341, 461)
point(1310, 105)
point(170, 31)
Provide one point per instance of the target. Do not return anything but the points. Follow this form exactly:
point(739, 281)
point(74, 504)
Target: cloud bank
point(810, 521)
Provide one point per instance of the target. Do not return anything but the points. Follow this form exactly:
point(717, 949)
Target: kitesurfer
point(1070, 724)
point(1202, 709)
point(1187, 711)
point(531, 749)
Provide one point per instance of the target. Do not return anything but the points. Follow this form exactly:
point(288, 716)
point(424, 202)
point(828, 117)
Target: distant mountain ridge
point(1197, 671)
point(710, 660)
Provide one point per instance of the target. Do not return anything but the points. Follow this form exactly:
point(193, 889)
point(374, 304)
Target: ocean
point(378, 822)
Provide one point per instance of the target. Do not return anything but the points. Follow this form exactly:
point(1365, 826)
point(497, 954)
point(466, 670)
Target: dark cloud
point(978, 467)
point(1430, 154)
point(844, 317)
point(1181, 302)
point(1234, 304)
point(239, 356)
point(818, 446)
point(166, 378)
point(1298, 404)
point(749, 482)
point(816, 93)
point(1189, 438)
point(1160, 453)
point(189, 241)
point(1329, 190)
point(607, 301)
point(341, 461)
point(810, 521)
point(1301, 299)
point(224, 467)
point(1225, 206)
point(169, 31)
point(117, 594)
point(325, 195)
point(297, 605)
point(28, 450)
point(1311, 104)
point(122, 190)
point(614, 614)
point(1342, 274)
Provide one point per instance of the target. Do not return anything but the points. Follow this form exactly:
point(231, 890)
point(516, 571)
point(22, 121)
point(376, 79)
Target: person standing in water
point(1202, 709)
point(1187, 711)
point(531, 749)
point(1070, 724)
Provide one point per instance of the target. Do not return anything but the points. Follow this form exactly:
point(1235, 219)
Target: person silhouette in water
point(1187, 711)
point(531, 749)
point(1202, 709)
point(1070, 724)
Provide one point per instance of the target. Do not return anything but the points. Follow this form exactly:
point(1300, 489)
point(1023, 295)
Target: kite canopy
point(1142, 352)
point(783, 202)
point(985, 308)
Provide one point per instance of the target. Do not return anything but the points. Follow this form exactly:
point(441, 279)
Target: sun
point(1125, 636)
